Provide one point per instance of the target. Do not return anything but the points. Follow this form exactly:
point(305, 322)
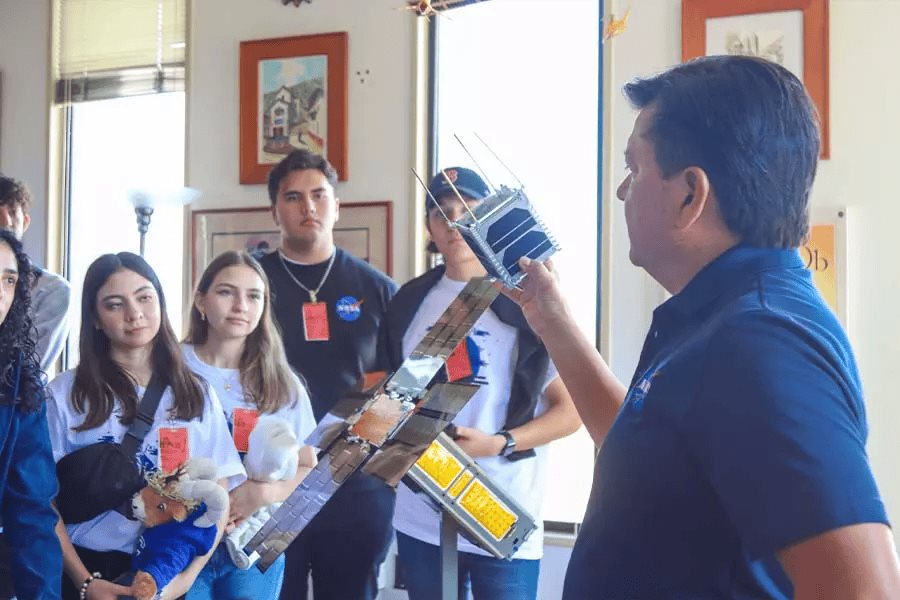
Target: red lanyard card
point(173, 447)
point(243, 420)
point(459, 364)
point(315, 321)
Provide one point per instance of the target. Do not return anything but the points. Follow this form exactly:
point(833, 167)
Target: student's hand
point(540, 296)
point(477, 443)
point(247, 498)
point(100, 589)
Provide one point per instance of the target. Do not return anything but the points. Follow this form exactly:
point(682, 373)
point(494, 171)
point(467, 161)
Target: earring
point(202, 316)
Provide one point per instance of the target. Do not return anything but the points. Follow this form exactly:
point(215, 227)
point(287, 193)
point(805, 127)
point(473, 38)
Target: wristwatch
point(510, 446)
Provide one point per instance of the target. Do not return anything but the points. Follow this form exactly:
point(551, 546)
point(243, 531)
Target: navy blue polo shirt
point(743, 432)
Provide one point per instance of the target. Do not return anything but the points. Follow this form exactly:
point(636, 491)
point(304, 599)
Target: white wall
point(24, 68)
point(861, 175)
point(381, 114)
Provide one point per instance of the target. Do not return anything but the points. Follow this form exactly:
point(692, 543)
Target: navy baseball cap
point(466, 181)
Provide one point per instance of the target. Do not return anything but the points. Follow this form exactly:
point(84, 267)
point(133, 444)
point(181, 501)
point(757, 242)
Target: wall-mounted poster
point(825, 254)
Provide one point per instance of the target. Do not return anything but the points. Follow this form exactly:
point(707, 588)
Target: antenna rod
point(519, 181)
point(475, 162)
point(433, 199)
point(460, 196)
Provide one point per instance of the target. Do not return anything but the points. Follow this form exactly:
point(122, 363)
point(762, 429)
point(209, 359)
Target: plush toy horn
point(212, 494)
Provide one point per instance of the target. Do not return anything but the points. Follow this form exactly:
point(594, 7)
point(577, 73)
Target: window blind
point(112, 48)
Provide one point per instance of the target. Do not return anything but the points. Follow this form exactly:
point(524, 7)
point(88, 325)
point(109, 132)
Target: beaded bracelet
point(82, 594)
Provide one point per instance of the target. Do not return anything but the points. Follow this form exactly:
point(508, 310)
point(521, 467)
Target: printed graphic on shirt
point(468, 359)
point(349, 308)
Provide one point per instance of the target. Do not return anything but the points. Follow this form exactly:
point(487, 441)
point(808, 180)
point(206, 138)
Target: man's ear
point(275, 216)
point(696, 196)
point(337, 209)
point(26, 221)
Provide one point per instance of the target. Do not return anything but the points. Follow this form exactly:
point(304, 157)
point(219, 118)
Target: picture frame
point(364, 229)
point(825, 254)
point(791, 32)
point(293, 94)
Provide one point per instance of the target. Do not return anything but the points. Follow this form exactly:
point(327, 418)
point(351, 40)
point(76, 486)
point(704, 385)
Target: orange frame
point(332, 45)
point(694, 14)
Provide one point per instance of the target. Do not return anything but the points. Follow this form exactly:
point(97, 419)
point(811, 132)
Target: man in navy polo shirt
point(734, 465)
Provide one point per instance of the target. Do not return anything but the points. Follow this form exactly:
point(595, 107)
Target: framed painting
point(293, 95)
point(792, 33)
point(363, 229)
point(825, 254)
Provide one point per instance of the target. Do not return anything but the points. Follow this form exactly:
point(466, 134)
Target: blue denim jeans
point(221, 580)
point(488, 578)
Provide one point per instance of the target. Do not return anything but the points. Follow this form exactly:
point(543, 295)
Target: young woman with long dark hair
point(27, 476)
point(126, 338)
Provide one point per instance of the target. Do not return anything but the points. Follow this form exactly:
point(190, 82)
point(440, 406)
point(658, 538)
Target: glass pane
point(524, 76)
point(116, 146)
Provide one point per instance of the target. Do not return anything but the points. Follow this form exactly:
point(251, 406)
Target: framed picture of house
point(364, 229)
point(293, 95)
point(792, 33)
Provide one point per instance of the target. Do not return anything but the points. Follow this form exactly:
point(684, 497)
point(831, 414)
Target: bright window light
point(117, 145)
point(524, 76)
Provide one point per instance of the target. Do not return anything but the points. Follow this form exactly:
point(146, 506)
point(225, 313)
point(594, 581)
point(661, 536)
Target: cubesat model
point(393, 428)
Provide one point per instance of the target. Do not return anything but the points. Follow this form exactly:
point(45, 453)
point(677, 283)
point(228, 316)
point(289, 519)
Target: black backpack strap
point(140, 427)
point(143, 419)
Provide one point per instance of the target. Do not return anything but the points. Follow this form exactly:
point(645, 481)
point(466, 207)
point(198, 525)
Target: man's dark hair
point(14, 193)
point(750, 125)
point(297, 161)
point(21, 379)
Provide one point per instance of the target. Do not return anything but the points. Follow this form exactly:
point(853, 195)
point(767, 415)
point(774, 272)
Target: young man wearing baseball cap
point(520, 406)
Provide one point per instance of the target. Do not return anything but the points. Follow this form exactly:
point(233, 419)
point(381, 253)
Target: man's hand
point(540, 297)
point(477, 443)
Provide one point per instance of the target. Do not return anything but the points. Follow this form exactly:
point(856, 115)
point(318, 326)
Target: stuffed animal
point(272, 455)
point(179, 510)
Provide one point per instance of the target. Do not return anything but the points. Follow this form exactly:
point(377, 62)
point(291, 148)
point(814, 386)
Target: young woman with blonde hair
point(234, 344)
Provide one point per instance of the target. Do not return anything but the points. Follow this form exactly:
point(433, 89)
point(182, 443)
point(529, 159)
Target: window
point(117, 146)
point(119, 73)
point(525, 77)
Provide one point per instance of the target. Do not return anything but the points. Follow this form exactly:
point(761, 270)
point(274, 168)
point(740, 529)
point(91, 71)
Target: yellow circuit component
point(441, 466)
point(487, 509)
point(460, 484)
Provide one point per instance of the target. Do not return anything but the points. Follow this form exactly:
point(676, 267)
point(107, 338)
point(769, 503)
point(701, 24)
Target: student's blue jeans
point(488, 578)
point(221, 580)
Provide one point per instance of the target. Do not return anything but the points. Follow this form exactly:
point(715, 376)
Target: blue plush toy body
point(166, 550)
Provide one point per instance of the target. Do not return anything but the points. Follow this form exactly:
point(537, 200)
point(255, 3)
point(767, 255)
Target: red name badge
point(315, 321)
point(459, 364)
point(173, 447)
point(243, 420)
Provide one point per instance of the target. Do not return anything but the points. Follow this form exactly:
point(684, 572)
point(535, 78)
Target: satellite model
point(393, 427)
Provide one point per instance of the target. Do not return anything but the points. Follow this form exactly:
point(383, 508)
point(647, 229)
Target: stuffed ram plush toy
point(180, 511)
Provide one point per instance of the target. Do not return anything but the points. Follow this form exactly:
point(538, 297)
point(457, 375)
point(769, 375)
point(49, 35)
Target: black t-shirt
point(356, 296)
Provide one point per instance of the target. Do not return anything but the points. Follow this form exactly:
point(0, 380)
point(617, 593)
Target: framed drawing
point(363, 229)
point(825, 254)
point(793, 33)
point(293, 95)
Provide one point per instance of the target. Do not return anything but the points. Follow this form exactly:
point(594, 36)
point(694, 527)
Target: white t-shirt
point(493, 349)
point(208, 437)
point(227, 384)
